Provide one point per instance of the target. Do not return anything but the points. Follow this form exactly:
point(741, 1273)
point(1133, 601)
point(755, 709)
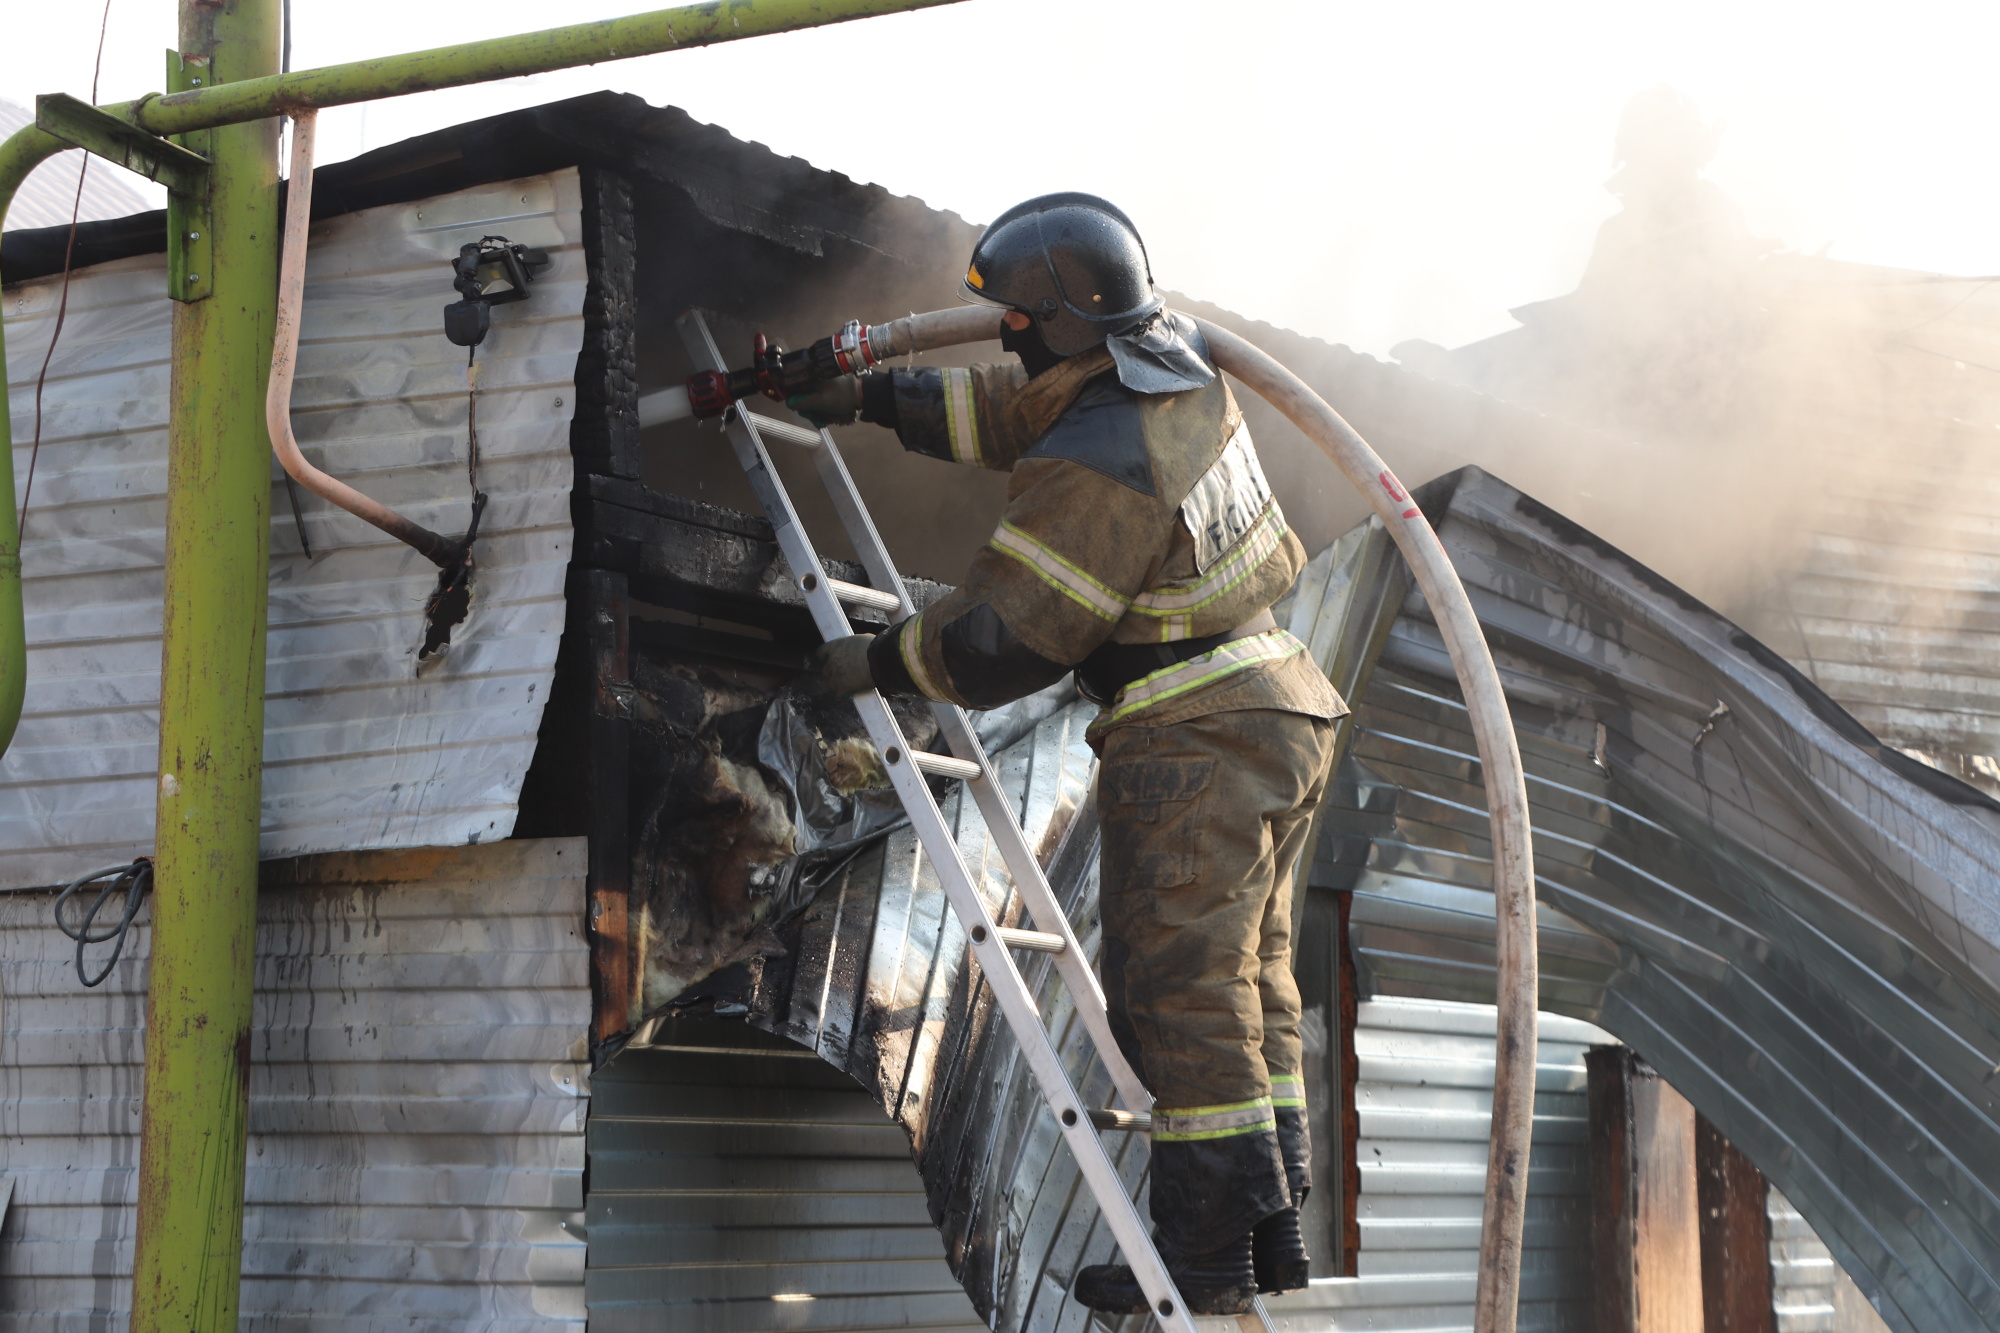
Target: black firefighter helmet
point(1071, 262)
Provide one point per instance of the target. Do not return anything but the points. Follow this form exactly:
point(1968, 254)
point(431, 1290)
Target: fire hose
point(857, 348)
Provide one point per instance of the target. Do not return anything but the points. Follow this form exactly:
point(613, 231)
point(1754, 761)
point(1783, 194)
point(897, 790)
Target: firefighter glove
point(833, 403)
point(843, 664)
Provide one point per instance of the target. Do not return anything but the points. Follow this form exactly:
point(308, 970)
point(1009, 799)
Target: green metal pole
point(192, 1139)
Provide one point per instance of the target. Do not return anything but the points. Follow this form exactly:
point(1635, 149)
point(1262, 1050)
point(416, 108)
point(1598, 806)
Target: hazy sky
point(1364, 173)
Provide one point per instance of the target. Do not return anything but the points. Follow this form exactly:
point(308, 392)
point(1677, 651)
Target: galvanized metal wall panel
point(739, 1185)
point(417, 1092)
point(1809, 1291)
point(1795, 925)
point(1425, 1097)
point(360, 750)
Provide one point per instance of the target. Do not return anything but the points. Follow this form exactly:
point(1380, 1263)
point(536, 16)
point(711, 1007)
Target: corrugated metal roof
point(1794, 924)
point(739, 1185)
point(418, 1074)
point(360, 750)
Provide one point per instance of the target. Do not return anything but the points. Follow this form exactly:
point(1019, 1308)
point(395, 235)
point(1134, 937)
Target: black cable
point(62, 306)
point(134, 879)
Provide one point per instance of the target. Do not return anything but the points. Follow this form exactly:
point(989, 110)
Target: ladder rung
point(1140, 1123)
point(1035, 940)
point(783, 430)
point(856, 595)
point(946, 766)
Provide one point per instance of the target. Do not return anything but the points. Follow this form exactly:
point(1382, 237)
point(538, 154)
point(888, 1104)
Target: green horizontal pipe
point(25, 150)
point(503, 58)
point(367, 81)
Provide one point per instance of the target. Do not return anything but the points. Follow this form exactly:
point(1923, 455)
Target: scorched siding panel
point(360, 751)
point(405, 1173)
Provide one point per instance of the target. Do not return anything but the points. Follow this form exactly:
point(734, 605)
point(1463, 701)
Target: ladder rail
point(1004, 979)
point(1001, 824)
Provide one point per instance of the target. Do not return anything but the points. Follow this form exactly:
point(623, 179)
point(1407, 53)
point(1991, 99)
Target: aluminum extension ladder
point(967, 763)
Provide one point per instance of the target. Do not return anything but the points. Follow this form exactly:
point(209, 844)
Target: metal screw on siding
point(194, 277)
point(194, 236)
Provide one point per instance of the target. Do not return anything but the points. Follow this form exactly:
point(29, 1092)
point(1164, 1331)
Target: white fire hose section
point(1492, 725)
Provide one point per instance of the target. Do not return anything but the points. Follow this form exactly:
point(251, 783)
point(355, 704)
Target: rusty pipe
point(440, 550)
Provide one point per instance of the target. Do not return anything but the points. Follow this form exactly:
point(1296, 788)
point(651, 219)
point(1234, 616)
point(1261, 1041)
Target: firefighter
point(1140, 548)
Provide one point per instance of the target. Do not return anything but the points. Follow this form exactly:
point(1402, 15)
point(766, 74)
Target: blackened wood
point(1646, 1233)
point(608, 740)
point(604, 432)
point(682, 553)
point(1735, 1237)
point(1350, 1111)
point(1316, 969)
point(1613, 1188)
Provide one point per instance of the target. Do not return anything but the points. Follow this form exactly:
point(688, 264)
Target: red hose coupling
point(708, 393)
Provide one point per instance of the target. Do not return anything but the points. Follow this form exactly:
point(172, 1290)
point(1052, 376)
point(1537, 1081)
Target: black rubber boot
point(1279, 1251)
point(1222, 1281)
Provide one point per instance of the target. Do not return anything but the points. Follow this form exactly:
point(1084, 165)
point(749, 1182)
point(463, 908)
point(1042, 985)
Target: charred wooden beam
point(697, 557)
point(1646, 1246)
point(604, 429)
point(1735, 1237)
point(599, 617)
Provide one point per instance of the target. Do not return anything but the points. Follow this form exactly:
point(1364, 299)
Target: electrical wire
point(134, 879)
point(62, 304)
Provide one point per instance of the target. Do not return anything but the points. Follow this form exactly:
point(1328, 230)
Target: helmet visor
point(972, 291)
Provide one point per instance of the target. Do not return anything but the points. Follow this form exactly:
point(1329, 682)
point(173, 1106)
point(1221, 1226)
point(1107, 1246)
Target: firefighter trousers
point(1204, 821)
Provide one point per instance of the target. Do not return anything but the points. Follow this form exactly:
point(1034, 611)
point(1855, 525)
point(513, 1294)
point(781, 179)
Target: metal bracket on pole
point(120, 141)
point(190, 252)
point(178, 167)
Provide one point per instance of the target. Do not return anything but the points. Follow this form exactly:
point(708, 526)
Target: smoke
point(1798, 441)
point(1804, 443)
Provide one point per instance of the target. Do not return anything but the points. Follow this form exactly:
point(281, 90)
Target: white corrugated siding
point(417, 1097)
point(746, 1187)
point(1809, 1292)
point(1425, 1097)
point(360, 752)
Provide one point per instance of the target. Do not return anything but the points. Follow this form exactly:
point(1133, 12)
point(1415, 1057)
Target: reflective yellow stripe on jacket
point(910, 643)
point(961, 422)
point(1288, 1092)
point(1212, 1122)
point(1060, 574)
point(1171, 682)
point(1175, 606)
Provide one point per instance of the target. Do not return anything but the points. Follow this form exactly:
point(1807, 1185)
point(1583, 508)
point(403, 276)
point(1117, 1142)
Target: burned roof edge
point(609, 129)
